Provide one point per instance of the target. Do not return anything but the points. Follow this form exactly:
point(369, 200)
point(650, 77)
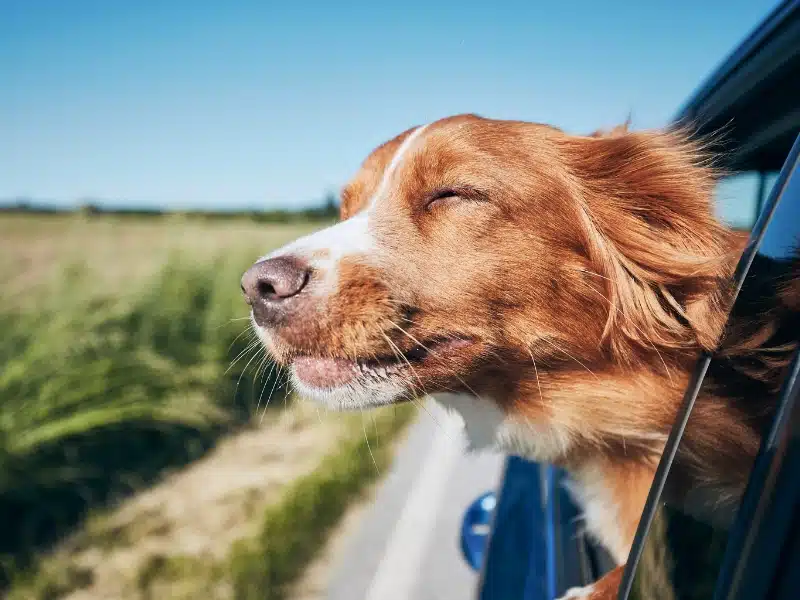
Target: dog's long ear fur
point(646, 211)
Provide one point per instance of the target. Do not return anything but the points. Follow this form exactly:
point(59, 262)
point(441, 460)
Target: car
point(525, 539)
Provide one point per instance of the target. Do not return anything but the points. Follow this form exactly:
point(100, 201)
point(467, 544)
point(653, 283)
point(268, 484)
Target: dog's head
point(498, 259)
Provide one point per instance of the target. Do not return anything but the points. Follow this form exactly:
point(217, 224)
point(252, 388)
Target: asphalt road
point(407, 544)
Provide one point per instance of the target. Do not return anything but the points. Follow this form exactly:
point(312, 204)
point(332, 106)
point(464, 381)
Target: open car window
point(739, 198)
point(685, 530)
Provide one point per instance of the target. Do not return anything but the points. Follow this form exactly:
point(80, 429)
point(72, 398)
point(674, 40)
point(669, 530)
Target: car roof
point(752, 95)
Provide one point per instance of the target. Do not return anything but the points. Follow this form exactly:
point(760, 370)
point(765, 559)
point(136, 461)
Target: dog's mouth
point(330, 373)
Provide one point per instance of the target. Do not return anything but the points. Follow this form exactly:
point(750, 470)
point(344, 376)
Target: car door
point(537, 548)
point(679, 557)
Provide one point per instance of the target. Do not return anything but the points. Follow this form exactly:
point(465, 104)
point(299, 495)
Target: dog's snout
point(274, 280)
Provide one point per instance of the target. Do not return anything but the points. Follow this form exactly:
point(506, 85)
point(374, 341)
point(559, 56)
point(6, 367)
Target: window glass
point(737, 199)
point(684, 549)
point(769, 181)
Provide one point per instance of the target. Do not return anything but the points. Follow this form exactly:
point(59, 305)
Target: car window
point(764, 545)
point(683, 551)
point(739, 197)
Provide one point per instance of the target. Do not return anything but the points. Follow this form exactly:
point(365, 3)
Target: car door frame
point(786, 189)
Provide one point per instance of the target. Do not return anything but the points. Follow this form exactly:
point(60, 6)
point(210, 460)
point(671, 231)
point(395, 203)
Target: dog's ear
point(646, 211)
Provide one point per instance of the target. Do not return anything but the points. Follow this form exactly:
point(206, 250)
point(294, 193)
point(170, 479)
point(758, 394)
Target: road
point(407, 544)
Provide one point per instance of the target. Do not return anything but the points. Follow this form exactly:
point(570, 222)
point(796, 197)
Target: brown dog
point(555, 290)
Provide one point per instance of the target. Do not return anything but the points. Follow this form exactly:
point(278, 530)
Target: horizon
point(128, 205)
point(202, 106)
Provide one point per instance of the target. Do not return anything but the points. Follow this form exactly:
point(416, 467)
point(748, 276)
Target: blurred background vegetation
point(127, 355)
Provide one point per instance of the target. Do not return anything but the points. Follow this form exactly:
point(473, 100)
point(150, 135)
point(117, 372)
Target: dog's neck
point(566, 416)
point(574, 419)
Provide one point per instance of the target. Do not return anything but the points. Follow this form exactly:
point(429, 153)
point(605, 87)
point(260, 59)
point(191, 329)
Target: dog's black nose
point(272, 281)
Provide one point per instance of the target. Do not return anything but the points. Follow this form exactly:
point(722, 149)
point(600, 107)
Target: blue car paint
point(521, 563)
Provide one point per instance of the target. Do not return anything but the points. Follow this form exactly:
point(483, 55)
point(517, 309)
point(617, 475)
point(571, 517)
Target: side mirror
point(475, 528)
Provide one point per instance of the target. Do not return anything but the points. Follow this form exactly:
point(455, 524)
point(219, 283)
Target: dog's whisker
point(238, 381)
point(375, 426)
point(415, 390)
point(592, 373)
point(261, 365)
point(401, 356)
point(366, 439)
point(229, 322)
point(413, 397)
point(269, 398)
point(251, 346)
point(264, 388)
point(536, 371)
point(432, 352)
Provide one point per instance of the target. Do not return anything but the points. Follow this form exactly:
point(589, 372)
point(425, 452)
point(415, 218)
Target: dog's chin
point(354, 383)
point(358, 393)
point(357, 383)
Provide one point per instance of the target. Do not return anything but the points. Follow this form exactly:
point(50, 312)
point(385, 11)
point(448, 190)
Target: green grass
point(100, 395)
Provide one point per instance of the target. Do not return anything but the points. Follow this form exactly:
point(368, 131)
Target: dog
point(556, 290)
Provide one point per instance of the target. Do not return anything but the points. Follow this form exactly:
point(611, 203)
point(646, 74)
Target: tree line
point(326, 210)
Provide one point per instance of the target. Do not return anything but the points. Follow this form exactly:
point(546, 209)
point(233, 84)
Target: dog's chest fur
point(488, 428)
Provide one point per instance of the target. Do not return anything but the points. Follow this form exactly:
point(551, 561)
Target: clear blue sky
point(189, 103)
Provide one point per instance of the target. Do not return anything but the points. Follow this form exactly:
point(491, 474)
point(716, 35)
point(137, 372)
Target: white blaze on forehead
point(325, 248)
point(348, 237)
point(383, 187)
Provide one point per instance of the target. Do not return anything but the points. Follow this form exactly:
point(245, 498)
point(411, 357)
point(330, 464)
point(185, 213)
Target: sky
point(266, 103)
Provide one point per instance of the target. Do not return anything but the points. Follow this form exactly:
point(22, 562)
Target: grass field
point(119, 336)
point(118, 254)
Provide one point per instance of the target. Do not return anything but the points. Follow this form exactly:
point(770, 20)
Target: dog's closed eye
point(443, 197)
